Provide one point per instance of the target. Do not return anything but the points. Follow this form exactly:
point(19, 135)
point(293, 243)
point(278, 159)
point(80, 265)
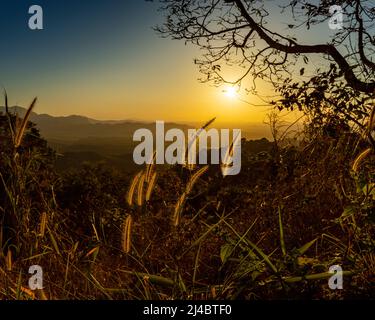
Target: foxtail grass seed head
point(177, 210)
point(140, 190)
point(226, 164)
point(194, 178)
point(150, 186)
point(358, 161)
point(132, 187)
point(9, 260)
point(189, 187)
point(150, 167)
point(43, 223)
point(22, 128)
point(188, 163)
point(126, 234)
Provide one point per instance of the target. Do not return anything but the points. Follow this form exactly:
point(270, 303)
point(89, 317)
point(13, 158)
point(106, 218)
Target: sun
point(231, 92)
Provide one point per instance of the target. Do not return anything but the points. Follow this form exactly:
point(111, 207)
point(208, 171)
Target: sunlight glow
point(231, 92)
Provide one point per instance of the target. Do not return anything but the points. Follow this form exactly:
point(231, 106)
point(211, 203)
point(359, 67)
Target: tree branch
point(328, 49)
point(364, 59)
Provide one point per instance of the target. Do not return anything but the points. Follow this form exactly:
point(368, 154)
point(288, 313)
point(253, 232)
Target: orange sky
point(103, 60)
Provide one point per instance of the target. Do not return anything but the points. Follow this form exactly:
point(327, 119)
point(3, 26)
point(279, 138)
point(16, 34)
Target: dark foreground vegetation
point(297, 208)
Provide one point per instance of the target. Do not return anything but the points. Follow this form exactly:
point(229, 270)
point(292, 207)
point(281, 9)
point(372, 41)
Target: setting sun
point(231, 92)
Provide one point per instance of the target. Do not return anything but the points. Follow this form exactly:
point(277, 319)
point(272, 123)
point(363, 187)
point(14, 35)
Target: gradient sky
point(101, 58)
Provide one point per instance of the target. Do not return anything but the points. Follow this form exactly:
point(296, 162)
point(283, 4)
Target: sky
point(102, 59)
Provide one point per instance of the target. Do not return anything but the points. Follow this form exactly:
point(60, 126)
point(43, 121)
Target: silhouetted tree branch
point(234, 32)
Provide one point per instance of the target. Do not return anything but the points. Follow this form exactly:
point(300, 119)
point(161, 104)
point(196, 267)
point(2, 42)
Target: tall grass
point(189, 234)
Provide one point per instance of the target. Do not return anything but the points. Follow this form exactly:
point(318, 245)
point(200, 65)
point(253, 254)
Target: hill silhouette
point(78, 139)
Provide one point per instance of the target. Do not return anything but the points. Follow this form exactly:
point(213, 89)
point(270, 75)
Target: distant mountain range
point(73, 128)
point(78, 138)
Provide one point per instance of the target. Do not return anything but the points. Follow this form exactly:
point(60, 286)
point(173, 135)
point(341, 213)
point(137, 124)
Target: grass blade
point(282, 241)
